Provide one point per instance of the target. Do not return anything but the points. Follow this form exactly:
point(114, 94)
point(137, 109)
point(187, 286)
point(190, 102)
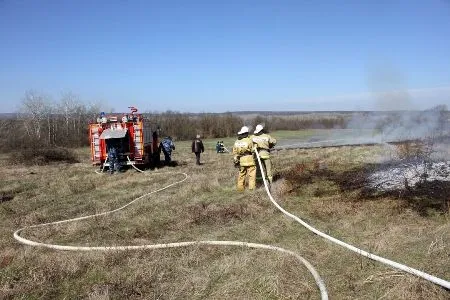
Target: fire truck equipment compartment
point(113, 134)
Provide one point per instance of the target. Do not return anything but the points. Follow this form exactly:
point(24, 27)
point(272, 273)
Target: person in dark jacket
point(197, 148)
point(218, 147)
point(167, 146)
point(113, 146)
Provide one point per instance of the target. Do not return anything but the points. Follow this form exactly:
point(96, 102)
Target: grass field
point(207, 207)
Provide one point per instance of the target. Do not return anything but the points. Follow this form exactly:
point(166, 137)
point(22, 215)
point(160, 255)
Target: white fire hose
point(388, 262)
point(103, 166)
point(314, 273)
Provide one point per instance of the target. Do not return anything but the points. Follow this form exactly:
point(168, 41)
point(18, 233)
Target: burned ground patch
point(424, 186)
point(6, 196)
point(426, 194)
point(303, 174)
point(10, 189)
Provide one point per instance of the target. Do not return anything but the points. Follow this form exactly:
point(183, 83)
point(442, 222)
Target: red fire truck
point(137, 137)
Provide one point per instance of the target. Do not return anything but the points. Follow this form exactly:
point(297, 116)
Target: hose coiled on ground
point(315, 274)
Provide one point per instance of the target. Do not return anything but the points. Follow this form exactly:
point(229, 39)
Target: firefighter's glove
point(236, 163)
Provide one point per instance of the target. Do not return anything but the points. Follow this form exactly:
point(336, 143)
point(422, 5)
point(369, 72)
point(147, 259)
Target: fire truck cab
point(135, 138)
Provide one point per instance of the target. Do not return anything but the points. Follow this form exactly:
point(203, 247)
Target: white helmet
point(259, 127)
point(243, 130)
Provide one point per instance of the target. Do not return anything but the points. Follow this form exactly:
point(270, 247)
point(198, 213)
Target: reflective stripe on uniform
point(242, 149)
point(262, 141)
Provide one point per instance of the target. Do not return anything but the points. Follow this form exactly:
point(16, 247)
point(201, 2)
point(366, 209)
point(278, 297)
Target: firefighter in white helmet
point(243, 158)
point(263, 143)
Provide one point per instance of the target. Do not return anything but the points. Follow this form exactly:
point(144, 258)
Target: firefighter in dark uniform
point(167, 146)
point(113, 155)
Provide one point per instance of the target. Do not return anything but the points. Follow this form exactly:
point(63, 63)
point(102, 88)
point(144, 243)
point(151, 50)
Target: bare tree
point(67, 107)
point(35, 109)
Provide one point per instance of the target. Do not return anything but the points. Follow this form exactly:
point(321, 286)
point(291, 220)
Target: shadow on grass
point(162, 164)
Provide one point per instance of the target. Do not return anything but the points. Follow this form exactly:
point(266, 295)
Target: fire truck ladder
point(96, 145)
point(137, 142)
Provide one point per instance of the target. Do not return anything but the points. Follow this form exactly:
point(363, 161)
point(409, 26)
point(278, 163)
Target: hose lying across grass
point(103, 165)
point(315, 274)
point(388, 262)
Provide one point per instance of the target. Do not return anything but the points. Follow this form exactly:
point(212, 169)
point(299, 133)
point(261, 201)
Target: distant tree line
point(42, 123)
point(183, 126)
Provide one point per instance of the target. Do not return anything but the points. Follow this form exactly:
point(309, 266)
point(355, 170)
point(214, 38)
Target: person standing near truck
point(167, 146)
point(113, 155)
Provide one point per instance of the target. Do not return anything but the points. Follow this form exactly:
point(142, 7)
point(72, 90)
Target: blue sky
point(214, 56)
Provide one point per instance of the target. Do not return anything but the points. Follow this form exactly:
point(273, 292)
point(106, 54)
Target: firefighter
point(243, 158)
point(113, 156)
point(197, 148)
point(167, 146)
point(263, 143)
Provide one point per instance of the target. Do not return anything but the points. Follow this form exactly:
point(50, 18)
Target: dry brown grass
point(411, 150)
point(208, 207)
